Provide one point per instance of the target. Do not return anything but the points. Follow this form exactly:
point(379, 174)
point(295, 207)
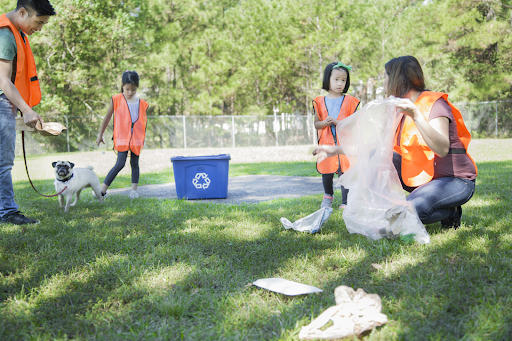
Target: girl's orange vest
point(128, 135)
point(26, 75)
point(325, 136)
point(417, 158)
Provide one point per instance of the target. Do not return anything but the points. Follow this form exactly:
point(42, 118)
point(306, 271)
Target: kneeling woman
point(430, 152)
point(430, 147)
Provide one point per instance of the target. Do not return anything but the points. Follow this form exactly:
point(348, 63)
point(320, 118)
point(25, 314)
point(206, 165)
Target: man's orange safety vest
point(325, 136)
point(417, 158)
point(26, 75)
point(128, 135)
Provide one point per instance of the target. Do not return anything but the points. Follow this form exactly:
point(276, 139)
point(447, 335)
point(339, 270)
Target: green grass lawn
point(153, 269)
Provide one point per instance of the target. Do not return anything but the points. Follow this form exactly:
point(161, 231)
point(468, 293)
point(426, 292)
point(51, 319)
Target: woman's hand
point(99, 140)
point(408, 108)
point(323, 152)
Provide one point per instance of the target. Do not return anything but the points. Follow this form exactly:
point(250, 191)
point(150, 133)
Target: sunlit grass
point(153, 269)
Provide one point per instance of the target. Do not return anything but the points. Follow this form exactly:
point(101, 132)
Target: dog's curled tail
point(89, 167)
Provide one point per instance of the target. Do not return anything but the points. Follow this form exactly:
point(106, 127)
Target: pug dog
point(74, 180)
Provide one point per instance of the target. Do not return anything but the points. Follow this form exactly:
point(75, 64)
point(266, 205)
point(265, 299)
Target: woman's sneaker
point(134, 195)
point(17, 218)
point(327, 202)
point(453, 223)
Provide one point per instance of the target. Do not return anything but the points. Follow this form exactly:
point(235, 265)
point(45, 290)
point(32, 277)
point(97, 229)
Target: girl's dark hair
point(327, 77)
point(40, 7)
point(405, 74)
point(130, 77)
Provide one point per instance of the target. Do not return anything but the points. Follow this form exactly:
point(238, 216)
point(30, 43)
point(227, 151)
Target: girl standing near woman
point(329, 111)
point(129, 129)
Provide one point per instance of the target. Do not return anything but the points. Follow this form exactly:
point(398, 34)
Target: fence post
point(184, 134)
point(67, 132)
point(276, 125)
point(312, 124)
point(233, 129)
point(496, 132)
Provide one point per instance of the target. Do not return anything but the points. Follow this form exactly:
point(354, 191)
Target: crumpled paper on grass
point(377, 206)
point(45, 129)
point(354, 313)
point(312, 223)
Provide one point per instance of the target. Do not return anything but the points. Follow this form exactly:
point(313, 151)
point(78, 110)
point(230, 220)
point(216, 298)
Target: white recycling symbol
point(203, 185)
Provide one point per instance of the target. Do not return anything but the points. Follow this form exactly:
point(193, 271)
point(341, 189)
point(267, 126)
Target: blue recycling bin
point(201, 177)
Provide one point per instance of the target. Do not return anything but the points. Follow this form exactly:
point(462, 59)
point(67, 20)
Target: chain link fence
point(483, 119)
point(488, 119)
point(180, 132)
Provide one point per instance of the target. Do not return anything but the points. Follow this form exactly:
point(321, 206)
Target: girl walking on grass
point(329, 111)
point(129, 130)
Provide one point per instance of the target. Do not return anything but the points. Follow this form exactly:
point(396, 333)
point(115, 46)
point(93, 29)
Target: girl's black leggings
point(327, 180)
point(121, 161)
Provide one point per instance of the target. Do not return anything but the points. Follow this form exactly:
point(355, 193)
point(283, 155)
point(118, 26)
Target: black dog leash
point(26, 168)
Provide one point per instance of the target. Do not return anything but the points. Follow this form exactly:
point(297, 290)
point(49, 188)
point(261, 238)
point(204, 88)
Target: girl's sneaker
point(134, 195)
point(327, 202)
point(343, 206)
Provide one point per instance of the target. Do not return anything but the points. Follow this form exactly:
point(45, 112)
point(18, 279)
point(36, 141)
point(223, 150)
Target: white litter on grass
point(285, 287)
point(312, 223)
point(354, 313)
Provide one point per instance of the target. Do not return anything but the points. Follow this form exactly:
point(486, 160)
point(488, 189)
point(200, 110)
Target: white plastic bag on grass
point(354, 313)
point(377, 207)
point(312, 223)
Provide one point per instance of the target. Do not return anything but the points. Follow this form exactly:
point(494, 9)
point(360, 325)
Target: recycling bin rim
point(201, 158)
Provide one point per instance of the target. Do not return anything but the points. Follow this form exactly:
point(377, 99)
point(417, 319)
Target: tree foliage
point(214, 57)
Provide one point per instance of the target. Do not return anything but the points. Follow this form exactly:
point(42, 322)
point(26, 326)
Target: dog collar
point(67, 179)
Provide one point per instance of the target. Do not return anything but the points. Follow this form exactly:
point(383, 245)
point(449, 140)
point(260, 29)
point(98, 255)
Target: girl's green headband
point(340, 64)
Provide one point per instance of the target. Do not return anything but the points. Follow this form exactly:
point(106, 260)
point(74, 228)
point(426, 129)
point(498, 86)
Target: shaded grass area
point(153, 269)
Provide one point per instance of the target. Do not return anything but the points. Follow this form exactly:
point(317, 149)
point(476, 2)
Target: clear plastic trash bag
point(312, 223)
point(377, 206)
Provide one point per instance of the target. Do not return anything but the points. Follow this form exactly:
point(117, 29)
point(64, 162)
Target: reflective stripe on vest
point(26, 75)
point(128, 136)
point(325, 136)
point(417, 157)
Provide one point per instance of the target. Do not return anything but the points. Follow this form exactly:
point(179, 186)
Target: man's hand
point(30, 118)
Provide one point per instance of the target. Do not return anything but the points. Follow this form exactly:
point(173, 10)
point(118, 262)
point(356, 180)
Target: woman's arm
point(105, 123)
point(323, 151)
point(436, 133)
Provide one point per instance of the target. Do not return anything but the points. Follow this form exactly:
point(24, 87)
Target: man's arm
point(30, 116)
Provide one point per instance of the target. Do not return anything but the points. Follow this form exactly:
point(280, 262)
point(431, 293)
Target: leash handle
point(26, 168)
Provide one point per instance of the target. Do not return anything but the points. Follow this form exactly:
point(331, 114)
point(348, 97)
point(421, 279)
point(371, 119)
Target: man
point(19, 90)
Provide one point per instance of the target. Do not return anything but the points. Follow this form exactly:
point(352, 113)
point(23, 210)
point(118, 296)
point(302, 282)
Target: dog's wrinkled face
point(63, 169)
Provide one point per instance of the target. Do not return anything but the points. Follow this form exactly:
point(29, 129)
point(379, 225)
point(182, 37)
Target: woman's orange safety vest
point(417, 158)
point(325, 136)
point(128, 135)
point(26, 75)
